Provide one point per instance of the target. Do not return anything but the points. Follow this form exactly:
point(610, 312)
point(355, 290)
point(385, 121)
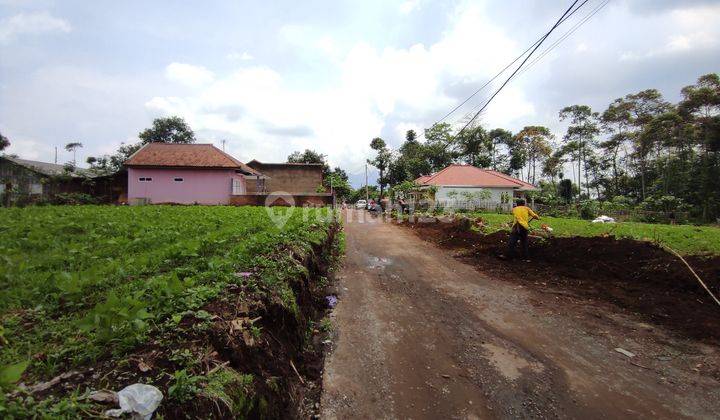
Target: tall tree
point(473, 146)
point(535, 140)
point(439, 146)
point(410, 161)
point(72, 147)
point(411, 136)
point(617, 121)
point(381, 161)
point(580, 135)
point(645, 105)
point(168, 130)
point(517, 150)
point(701, 106)
point(497, 138)
point(552, 167)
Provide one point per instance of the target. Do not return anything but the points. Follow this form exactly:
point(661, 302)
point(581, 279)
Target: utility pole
point(56, 155)
point(223, 141)
point(367, 197)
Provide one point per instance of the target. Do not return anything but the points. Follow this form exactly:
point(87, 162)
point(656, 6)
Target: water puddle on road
point(379, 262)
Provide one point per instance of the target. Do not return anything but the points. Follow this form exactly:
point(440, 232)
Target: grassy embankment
point(87, 286)
point(686, 239)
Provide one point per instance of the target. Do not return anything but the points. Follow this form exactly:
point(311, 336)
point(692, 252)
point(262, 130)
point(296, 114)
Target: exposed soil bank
point(286, 357)
point(638, 276)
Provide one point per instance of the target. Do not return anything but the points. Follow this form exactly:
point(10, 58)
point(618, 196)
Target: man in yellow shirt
point(522, 216)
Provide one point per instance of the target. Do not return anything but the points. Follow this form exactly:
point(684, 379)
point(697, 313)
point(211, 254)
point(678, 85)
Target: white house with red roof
point(459, 182)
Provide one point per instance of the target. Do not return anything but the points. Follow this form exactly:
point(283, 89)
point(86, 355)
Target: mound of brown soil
point(637, 276)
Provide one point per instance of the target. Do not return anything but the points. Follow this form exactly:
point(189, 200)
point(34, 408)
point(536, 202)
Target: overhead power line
point(539, 40)
point(565, 36)
point(559, 21)
point(569, 32)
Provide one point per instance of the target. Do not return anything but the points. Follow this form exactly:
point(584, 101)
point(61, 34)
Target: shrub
point(588, 209)
point(71, 199)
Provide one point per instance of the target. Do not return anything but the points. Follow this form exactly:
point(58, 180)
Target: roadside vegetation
point(116, 295)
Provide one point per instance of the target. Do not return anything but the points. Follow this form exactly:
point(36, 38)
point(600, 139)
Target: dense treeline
point(641, 150)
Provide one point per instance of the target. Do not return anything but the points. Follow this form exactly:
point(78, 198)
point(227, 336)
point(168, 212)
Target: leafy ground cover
point(112, 295)
point(686, 239)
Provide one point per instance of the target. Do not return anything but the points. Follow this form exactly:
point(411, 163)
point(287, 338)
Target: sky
point(274, 77)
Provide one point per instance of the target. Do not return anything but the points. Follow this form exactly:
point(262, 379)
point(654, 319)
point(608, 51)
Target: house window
point(178, 179)
point(237, 187)
point(145, 179)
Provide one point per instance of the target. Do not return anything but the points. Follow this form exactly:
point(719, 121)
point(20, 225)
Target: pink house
point(186, 174)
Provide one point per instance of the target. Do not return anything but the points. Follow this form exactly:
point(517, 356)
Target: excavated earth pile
point(639, 277)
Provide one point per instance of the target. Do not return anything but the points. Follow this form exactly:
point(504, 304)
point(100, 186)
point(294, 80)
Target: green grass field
point(87, 283)
point(685, 239)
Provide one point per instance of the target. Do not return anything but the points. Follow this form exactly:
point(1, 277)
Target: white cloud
point(188, 74)
point(408, 6)
point(36, 23)
point(245, 56)
point(28, 148)
point(338, 127)
point(689, 29)
point(269, 117)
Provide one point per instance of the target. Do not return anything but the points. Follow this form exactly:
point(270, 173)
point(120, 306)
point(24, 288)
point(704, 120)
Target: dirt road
point(423, 335)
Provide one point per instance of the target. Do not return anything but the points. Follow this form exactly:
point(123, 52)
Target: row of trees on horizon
point(641, 147)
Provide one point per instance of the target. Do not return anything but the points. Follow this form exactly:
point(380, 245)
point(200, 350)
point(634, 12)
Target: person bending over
point(522, 216)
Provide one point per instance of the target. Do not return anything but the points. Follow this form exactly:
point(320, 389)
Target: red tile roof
point(526, 185)
point(472, 176)
point(185, 155)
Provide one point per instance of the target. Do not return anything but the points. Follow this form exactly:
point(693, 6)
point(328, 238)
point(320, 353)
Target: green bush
point(665, 203)
point(588, 209)
point(73, 199)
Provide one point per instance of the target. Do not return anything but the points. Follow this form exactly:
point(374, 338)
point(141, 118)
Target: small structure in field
point(469, 186)
point(186, 174)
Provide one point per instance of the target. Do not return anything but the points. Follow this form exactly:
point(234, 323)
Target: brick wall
point(290, 178)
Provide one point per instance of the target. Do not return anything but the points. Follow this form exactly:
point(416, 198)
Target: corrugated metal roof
point(50, 169)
